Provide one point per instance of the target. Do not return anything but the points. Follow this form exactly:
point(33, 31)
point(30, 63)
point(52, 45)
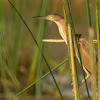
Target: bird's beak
point(40, 17)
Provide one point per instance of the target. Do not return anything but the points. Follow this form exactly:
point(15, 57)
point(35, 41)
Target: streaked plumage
point(82, 41)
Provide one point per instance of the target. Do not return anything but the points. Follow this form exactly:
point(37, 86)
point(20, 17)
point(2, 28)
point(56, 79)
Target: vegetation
point(25, 60)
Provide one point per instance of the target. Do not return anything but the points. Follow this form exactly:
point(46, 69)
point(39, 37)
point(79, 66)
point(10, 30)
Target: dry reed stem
point(53, 40)
point(72, 62)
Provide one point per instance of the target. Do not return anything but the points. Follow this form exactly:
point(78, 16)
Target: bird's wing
point(84, 48)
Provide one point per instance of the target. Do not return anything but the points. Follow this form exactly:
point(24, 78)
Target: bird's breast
point(62, 31)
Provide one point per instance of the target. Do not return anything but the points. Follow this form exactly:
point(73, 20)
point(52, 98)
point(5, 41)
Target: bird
point(82, 41)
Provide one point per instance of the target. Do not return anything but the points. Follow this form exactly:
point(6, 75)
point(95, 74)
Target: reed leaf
point(19, 93)
point(39, 49)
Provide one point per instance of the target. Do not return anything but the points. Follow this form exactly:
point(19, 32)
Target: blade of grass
point(98, 38)
point(37, 80)
point(9, 61)
point(6, 65)
point(2, 21)
point(3, 76)
point(72, 26)
point(39, 49)
point(2, 67)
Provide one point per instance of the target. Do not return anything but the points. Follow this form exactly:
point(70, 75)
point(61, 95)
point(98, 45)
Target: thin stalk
point(39, 59)
point(66, 22)
point(75, 81)
point(72, 26)
point(39, 50)
point(71, 57)
point(37, 80)
point(93, 68)
point(98, 38)
point(88, 13)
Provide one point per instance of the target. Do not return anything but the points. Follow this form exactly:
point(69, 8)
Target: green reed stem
point(88, 13)
point(72, 26)
point(93, 68)
point(65, 16)
point(39, 49)
point(39, 58)
point(91, 37)
point(78, 95)
point(37, 80)
point(98, 38)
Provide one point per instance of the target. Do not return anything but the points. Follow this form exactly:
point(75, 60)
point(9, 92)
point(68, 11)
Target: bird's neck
point(62, 29)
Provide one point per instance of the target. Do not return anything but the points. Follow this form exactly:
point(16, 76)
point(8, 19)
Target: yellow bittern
point(83, 43)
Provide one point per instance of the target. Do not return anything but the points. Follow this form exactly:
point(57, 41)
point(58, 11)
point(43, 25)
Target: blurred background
point(20, 61)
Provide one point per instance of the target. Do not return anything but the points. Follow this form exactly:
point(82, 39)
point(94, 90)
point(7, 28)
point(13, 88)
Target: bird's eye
point(52, 17)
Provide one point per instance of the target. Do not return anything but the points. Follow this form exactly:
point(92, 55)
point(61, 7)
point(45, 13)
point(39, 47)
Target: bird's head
point(51, 17)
